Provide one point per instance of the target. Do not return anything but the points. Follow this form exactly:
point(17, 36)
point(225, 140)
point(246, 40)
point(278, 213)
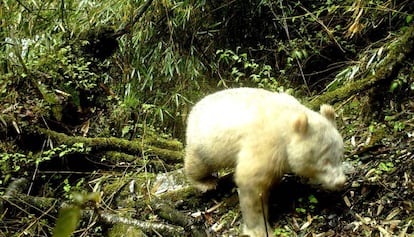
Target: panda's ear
point(328, 112)
point(300, 124)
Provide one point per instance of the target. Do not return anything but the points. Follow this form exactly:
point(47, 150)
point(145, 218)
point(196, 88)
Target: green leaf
point(67, 221)
point(371, 128)
point(387, 167)
point(394, 85)
point(125, 130)
point(300, 210)
point(409, 19)
point(67, 186)
point(298, 54)
point(312, 199)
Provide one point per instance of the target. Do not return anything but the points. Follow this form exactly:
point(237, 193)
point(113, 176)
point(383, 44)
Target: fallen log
point(391, 63)
point(170, 151)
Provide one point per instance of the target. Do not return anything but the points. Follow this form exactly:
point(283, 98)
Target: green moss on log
point(391, 63)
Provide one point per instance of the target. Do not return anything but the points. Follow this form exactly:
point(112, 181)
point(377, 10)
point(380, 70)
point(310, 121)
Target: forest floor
point(156, 200)
point(378, 199)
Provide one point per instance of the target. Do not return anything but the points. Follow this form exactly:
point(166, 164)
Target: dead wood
point(146, 226)
point(14, 197)
point(121, 159)
point(169, 151)
point(169, 213)
point(25, 203)
point(391, 63)
point(51, 205)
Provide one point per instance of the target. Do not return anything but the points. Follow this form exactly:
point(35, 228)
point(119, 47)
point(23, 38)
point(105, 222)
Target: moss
point(118, 144)
point(395, 57)
point(123, 230)
point(182, 194)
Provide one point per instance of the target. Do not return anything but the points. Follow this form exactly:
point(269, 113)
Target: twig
point(329, 32)
point(285, 27)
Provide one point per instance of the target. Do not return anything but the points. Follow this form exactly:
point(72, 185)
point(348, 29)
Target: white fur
point(262, 135)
